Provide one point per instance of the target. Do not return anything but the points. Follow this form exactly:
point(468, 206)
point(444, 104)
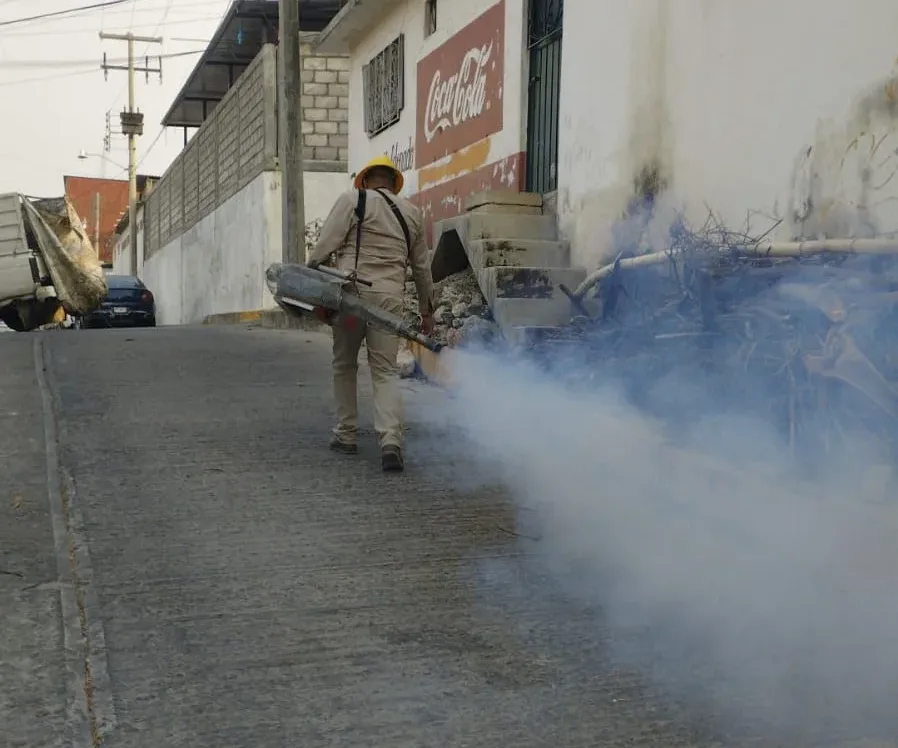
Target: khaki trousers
point(383, 348)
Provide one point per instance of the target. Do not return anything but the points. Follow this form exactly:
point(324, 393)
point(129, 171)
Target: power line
point(209, 2)
point(68, 11)
point(144, 8)
point(57, 76)
point(166, 22)
point(158, 25)
point(150, 148)
point(36, 79)
point(100, 9)
point(91, 63)
point(93, 29)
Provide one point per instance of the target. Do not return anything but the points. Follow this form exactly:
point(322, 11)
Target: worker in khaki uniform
point(375, 232)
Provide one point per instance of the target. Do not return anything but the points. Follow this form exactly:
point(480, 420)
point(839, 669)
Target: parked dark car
point(129, 303)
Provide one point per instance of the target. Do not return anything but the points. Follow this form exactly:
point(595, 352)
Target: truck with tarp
point(49, 268)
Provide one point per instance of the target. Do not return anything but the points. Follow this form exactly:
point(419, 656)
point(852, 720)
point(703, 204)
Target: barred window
point(430, 18)
point(383, 83)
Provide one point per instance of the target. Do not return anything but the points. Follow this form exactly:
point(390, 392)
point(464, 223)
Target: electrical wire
point(90, 63)
point(101, 9)
point(150, 147)
point(66, 12)
point(73, 73)
point(38, 78)
point(66, 15)
point(124, 87)
point(114, 29)
point(159, 25)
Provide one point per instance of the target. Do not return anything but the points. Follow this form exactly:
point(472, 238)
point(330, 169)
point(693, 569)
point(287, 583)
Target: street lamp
point(84, 155)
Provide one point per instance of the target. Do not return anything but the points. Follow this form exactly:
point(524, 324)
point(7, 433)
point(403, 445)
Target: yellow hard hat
point(380, 161)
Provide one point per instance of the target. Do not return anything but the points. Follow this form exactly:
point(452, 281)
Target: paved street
point(202, 571)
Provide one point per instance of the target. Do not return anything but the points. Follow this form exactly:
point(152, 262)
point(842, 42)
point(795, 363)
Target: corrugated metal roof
point(247, 25)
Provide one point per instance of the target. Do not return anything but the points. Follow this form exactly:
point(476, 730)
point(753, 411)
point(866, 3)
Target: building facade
point(441, 95)
point(99, 202)
point(771, 115)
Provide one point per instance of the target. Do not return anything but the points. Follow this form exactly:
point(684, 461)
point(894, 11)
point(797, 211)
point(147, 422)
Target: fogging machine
point(331, 295)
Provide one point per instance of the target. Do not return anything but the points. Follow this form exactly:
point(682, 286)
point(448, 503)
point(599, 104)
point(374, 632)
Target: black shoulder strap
point(399, 217)
point(360, 218)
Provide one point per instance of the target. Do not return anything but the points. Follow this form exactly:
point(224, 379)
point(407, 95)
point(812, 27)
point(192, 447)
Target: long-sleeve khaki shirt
point(383, 254)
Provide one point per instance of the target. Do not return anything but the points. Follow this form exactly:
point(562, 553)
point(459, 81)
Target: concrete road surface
point(199, 570)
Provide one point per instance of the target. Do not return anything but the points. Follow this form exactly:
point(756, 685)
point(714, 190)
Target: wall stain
point(523, 283)
point(502, 253)
point(846, 183)
point(599, 221)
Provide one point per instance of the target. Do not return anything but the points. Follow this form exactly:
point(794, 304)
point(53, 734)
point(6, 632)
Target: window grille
point(383, 84)
point(430, 18)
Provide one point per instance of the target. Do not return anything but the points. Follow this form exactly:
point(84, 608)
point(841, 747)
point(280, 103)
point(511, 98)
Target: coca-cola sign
point(460, 88)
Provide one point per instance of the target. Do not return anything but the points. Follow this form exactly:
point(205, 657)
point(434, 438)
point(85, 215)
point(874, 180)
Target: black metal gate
point(544, 44)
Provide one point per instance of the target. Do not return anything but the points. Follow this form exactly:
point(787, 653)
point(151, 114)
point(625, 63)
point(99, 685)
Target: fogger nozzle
point(300, 288)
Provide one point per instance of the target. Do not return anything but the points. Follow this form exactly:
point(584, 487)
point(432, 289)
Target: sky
point(55, 97)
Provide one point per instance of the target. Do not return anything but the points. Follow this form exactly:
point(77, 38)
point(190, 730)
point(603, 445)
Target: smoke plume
point(697, 527)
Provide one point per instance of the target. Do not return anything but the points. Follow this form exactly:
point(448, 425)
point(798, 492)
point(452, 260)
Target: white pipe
point(761, 249)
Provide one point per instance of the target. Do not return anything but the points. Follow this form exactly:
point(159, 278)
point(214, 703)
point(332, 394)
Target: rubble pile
point(461, 315)
point(312, 232)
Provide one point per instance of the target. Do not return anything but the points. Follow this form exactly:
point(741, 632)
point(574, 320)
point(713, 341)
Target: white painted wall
point(121, 252)
point(728, 96)
point(452, 16)
point(121, 257)
point(321, 189)
point(121, 265)
point(219, 264)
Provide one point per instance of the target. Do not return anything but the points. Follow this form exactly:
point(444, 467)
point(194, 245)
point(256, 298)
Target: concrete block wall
point(236, 143)
point(325, 106)
point(218, 265)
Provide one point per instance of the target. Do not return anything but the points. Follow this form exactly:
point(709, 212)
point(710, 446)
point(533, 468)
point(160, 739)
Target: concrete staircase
point(517, 257)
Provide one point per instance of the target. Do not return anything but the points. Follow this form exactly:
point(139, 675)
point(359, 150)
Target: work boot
point(391, 459)
point(346, 448)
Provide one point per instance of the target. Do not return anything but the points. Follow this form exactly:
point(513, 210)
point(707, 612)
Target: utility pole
point(107, 134)
point(132, 124)
point(97, 221)
point(293, 233)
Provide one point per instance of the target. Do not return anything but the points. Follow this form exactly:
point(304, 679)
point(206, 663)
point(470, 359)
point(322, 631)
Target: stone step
point(471, 236)
point(527, 283)
point(529, 335)
point(553, 312)
point(533, 253)
point(507, 226)
point(504, 201)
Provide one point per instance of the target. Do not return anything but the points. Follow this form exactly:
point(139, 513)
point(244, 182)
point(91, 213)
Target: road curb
point(91, 708)
point(273, 319)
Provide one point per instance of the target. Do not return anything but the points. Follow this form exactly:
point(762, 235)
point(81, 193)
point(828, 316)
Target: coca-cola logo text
point(460, 97)
point(459, 88)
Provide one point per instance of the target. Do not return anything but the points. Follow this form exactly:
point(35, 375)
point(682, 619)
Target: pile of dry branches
point(806, 343)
